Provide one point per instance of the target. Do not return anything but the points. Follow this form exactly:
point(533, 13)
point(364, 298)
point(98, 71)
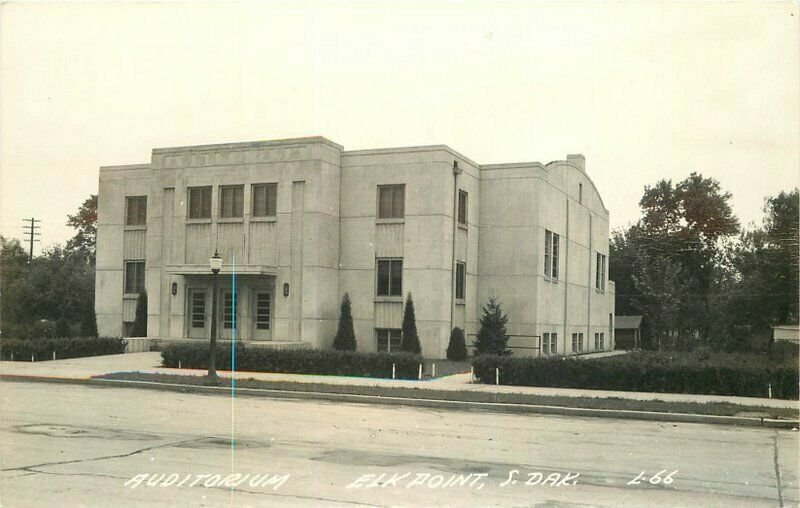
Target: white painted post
point(12, 356)
point(32, 358)
point(394, 371)
point(434, 371)
point(497, 375)
point(54, 355)
point(179, 364)
point(770, 390)
point(471, 373)
point(420, 372)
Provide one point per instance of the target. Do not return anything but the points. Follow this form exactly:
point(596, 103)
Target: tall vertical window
point(388, 339)
point(199, 202)
point(198, 309)
point(550, 254)
point(577, 342)
point(461, 279)
point(391, 201)
point(580, 193)
point(231, 201)
point(600, 272)
point(230, 302)
point(265, 198)
point(136, 210)
point(262, 311)
point(390, 277)
point(462, 207)
point(134, 277)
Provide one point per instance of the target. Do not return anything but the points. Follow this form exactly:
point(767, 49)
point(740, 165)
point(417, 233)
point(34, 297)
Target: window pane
point(230, 302)
point(548, 249)
point(462, 207)
point(460, 280)
point(263, 311)
point(259, 197)
point(555, 257)
point(231, 201)
point(384, 202)
point(136, 211)
point(382, 337)
point(199, 202)
point(396, 284)
point(383, 278)
point(271, 199)
point(398, 199)
point(198, 309)
point(395, 338)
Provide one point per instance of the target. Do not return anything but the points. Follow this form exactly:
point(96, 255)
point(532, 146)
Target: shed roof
point(627, 322)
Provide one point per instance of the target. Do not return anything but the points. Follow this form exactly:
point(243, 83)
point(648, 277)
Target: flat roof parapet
point(248, 144)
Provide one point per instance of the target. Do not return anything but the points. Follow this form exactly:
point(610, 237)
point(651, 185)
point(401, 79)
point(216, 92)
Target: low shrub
point(747, 375)
point(42, 349)
point(301, 361)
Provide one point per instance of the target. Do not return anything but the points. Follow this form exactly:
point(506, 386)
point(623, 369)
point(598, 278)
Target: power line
point(32, 234)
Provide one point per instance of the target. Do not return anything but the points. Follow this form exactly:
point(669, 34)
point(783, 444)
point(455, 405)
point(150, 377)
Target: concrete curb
point(502, 407)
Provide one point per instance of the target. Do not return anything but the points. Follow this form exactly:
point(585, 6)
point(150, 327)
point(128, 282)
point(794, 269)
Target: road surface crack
point(105, 457)
point(777, 469)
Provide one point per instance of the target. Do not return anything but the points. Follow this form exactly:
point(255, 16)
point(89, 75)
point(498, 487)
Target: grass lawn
point(714, 408)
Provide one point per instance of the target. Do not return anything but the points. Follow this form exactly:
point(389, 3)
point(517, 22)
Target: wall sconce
point(174, 288)
point(285, 289)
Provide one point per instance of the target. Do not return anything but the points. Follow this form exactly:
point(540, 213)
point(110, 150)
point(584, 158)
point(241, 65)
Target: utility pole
point(32, 233)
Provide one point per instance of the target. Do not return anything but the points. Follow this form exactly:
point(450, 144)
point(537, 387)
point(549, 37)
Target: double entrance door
point(249, 319)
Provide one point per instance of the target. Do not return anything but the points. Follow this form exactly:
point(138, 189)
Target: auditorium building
point(300, 222)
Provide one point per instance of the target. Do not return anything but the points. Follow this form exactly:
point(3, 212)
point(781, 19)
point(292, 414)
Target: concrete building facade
point(299, 222)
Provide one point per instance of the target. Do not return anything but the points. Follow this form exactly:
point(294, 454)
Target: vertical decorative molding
point(296, 270)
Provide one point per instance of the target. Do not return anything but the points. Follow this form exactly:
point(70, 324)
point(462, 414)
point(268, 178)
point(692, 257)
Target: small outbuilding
point(627, 332)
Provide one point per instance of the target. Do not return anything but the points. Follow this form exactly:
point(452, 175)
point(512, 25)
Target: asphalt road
point(69, 445)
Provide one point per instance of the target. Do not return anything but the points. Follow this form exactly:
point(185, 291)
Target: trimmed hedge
point(745, 375)
point(301, 361)
point(42, 349)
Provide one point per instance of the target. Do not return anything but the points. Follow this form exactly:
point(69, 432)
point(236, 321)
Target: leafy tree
point(345, 339)
point(410, 338)
point(15, 297)
point(492, 338)
point(85, 222)
point(140, 321)
point(662, 293)
point(457, 348)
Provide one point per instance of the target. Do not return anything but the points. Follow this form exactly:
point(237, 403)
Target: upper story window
point(551, 254)
point(391, 201)
point(231, 201)
point(580, 193)
point(462, 207)
point(390, 277)
point(134, 277)
point(136, 211)
point(265, 198)
point(461, 279)
point(600, 272)
point(199, 202)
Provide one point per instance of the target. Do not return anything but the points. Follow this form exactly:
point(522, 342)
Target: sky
point(644, 90)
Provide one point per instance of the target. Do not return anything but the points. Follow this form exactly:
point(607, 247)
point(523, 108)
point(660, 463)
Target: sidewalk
point(85, 368)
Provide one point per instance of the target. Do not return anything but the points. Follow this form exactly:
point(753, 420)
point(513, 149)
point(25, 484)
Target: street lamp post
point(216, 265)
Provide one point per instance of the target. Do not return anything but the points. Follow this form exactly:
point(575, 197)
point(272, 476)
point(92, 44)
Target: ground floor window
point(577, 342)
point(198, 309)
point(549, 343)
point(262, 311)
point(388, 339)
point(230, 302)
point(599, 341)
